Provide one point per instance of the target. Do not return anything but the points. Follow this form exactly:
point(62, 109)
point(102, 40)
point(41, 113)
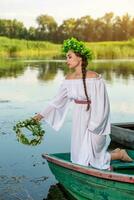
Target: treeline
point(106, 28)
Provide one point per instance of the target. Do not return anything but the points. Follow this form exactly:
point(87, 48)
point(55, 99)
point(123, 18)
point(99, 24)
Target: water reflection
point(47, 70)
point(123, 69)
point(57, 192)
point(12, 187)
point(11, 68)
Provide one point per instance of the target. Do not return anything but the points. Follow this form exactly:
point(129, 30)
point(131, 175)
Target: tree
point(32, 33)
point(66, 30)
point(125, 26)
point(98, 30)
point(84, 28)
point(47, 26)
point(132, 28)
point(107, 21)
point(12, 28)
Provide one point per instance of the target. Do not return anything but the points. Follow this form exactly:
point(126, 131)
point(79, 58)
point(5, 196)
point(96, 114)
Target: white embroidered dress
point(90, 129)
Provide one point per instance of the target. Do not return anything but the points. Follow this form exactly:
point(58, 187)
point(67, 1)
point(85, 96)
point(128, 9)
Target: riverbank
point(27, 49)
point(38, 49)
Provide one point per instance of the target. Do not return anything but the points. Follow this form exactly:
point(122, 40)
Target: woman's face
point(73, 60)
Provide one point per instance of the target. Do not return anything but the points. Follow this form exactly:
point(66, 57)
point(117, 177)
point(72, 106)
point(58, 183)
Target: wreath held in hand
point(33, 126)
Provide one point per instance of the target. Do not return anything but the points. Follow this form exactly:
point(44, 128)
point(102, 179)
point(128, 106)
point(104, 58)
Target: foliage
point(46, 27)
point(27, 48)
point(77, 47)
point(12, 28)
point(33, 126)
point(47, 50)
point(106, 28)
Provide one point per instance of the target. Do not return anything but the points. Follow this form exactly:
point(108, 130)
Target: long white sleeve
point(54, 114)
point(99, 122)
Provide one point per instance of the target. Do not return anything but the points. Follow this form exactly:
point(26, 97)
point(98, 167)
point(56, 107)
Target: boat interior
point(117, 166)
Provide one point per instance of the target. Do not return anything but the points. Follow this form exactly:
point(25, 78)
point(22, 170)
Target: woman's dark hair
point(84, 72)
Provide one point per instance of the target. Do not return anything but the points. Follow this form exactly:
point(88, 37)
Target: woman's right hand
point(38, 117)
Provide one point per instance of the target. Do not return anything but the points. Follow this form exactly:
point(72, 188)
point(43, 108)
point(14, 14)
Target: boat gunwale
point(130, 131)
point(125, 126)
point(90, 171)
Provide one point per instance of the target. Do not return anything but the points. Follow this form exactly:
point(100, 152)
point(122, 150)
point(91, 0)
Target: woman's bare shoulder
point(92, 74)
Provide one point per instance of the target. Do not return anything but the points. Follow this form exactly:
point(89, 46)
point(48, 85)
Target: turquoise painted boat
point(87, 183)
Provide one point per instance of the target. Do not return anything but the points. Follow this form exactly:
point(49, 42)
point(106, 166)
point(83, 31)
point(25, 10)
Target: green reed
point(43, 49)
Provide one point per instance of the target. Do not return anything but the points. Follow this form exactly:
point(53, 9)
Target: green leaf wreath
point(33, 126)
point(77, 47)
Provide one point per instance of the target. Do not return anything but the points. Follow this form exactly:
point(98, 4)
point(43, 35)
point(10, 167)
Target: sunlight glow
point(62, 10)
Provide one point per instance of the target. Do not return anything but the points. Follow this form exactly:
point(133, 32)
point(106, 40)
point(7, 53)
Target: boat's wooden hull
point(123, 133)
point(88, 183)
point(83, 186)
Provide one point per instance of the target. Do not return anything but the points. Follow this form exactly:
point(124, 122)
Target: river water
point(25, 88)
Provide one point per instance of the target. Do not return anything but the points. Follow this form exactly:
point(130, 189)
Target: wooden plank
point(123, 136)
point(129, 125)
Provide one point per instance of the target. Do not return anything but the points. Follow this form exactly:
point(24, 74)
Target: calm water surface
point(25, 88)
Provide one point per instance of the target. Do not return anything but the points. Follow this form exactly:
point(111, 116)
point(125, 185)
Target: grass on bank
point(43, 49)
point(113, 49)
point(27, 49)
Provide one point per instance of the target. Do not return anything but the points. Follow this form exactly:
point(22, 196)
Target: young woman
point(91, 124)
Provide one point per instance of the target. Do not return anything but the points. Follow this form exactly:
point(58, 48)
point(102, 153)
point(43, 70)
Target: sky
point(28, 11)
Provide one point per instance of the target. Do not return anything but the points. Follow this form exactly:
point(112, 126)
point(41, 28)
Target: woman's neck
point(78, 70)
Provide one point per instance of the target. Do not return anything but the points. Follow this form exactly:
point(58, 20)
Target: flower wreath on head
point(77, 47)
point(33, 126)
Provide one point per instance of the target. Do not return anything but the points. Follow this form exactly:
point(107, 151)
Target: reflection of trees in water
point(11, 68)
point(118, 69)
point(48, 70)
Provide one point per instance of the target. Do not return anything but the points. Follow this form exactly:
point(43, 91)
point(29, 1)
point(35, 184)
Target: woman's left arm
point(54, 113)
point(99, 122)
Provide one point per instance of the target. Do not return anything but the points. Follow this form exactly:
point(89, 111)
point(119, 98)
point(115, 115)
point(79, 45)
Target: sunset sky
point(27, 11)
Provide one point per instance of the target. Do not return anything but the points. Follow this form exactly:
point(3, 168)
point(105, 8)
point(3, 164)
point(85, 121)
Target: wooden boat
point(123, 133)
point(85, 183)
